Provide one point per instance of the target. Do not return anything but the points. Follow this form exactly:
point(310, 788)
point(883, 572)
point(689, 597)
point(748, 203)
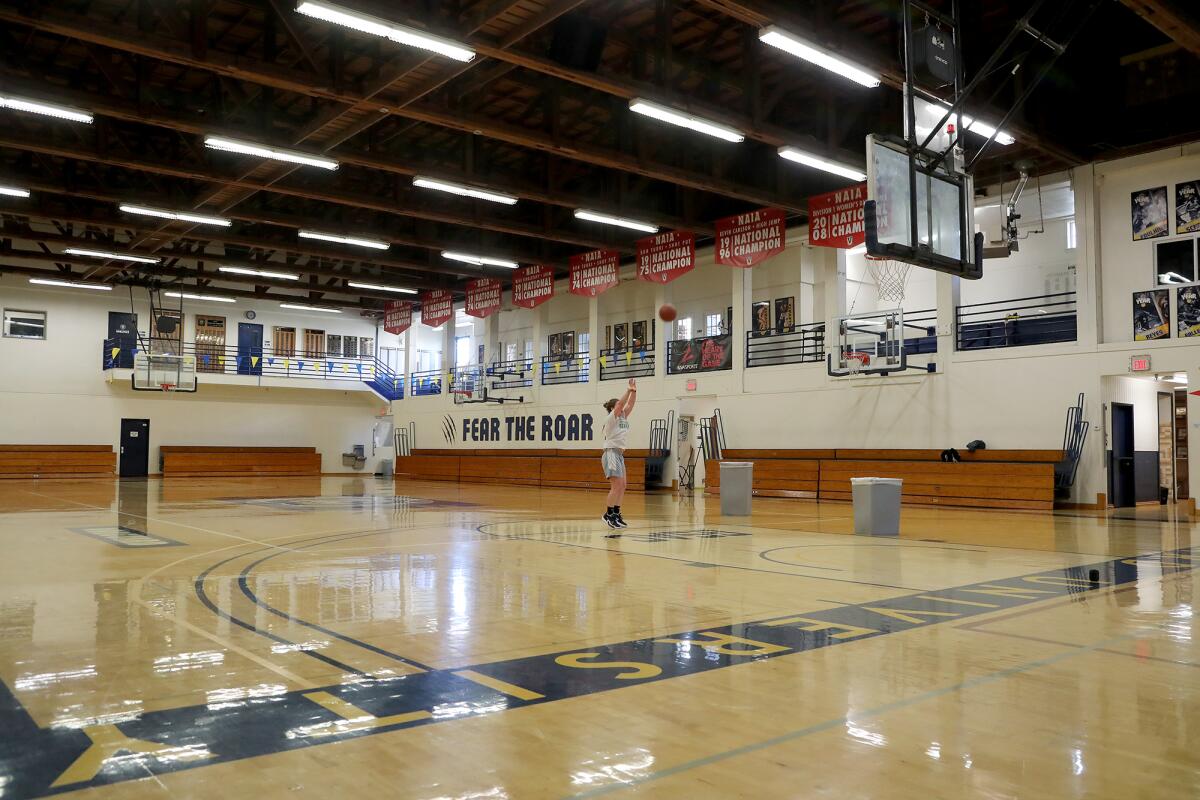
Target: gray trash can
point(737, 484)
point(876, 506)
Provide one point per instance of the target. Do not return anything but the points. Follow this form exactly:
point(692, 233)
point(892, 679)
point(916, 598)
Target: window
point(683, 328)
point(510, 352)
point(350, 346)
point(583, 342)
point(462, 351)
point(1175, 262)
point(428, 360)
point(24, 324)
point(366, 347)
point(333, 342)
point(713, 324)
point(529, 351)
point(1072, 241)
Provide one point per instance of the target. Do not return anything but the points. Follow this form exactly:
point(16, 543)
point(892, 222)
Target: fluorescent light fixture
point(13, 191)
point(479, 261)
point(1178, 377)
point(261, 273)
point(72, 284)
point(1171, 277)
point(930, 111)
point(182, 216)
point(684, 120)
point(622, 222)
point(299, 307)
point(815, 54)
point(45, 109)
point(986, 131)
point(273, 153)
point(79, 251)
point(354, 240)
point(380, 288)
point(212, 298)
point(464, 191)
point(388, 30)
point(816, 162)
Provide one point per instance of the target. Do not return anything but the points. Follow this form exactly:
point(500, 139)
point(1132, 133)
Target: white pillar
point(662, 296)
point(594, 334)
point(1089, 318)
point(829, 289)
point(742, 296)
point(410, 356)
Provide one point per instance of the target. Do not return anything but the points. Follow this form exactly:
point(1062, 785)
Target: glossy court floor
point(284, 637)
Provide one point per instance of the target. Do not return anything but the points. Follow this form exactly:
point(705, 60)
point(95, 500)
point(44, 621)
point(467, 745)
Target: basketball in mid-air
point(667, 312)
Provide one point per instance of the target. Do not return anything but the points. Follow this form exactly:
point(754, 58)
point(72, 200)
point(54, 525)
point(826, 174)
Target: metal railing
point(556, 371)
point(702, 354)
point(1020, 322)
point(920, 331)
point(515, 374)
point(428, 382)
point(620, 365)
point(799, 344)
point(254, 361)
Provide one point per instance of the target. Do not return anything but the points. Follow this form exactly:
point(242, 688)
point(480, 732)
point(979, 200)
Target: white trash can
point(737, 484)
point(876, 505)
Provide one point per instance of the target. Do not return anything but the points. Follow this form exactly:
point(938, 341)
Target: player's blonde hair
point(610, 405)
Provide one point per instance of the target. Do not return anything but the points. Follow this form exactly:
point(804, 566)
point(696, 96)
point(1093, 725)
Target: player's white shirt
point(616, 431)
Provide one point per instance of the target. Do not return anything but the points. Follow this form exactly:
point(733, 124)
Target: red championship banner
point(437, 306)
point(594, 273)
point(751, 238)
point(397, 316)
point(483, 297)
point(836, 219)
point(666, 256)
point(532, 286)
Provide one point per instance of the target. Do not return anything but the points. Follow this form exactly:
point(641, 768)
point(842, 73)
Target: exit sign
point(1139, 363)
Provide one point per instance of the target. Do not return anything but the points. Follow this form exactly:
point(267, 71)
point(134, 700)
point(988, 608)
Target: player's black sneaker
point(610, 520)
point(620, 521)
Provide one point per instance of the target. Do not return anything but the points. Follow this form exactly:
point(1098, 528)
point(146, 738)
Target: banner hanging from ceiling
point(751, 238)
point(835, 219)
point(594, 273)
point(483, 297)
point(532, 286)
point(437, 306)
point(397, 316)
point(666, 256)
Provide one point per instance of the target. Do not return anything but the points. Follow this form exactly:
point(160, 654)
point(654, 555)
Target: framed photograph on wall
point(638, 335)
point(554, 346)
point(1188, 312)
point(607, 338)
point(620, 336)
point(785, 314)
point(1187, 207)
point(566, 348)
point(760, 318)
point(1148, 213)
point(1151, 315)
point(333, 344)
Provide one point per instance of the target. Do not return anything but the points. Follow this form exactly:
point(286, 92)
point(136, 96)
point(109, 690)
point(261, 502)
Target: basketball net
point(856, 361)
point(890, 277)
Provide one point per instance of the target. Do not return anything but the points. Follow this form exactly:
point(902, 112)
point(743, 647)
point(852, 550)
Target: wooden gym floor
point(284, 637)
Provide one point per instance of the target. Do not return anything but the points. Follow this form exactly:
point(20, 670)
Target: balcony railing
point(235, 360)
point(1021, 322)
point(920, 331)
point(704, 354)
point(556, 371)
point(428, 382)
point(620, 365)
point(800, 344)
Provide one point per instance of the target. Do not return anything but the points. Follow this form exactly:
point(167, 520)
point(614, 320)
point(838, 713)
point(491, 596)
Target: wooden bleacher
point(569, 469)
point(57, 461)
point(1022, 479)
point(185, 461)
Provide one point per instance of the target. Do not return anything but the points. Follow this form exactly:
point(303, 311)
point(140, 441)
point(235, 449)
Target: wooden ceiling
point(540, 113)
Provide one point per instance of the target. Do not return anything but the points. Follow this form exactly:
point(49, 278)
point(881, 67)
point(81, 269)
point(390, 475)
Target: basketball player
point(616, 438)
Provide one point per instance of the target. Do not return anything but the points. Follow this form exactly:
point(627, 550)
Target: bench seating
point(570, 469)
point(57, 461)
point(185, 461)
point(1021, 479)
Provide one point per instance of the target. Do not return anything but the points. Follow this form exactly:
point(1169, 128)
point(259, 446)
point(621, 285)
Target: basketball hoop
point(890, 276)
point(461, 395)
point(856, 361)
point(167, 387)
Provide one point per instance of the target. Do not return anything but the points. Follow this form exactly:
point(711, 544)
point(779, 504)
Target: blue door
point(250, 348)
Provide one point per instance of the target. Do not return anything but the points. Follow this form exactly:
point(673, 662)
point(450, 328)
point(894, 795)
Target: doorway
point(122, 332)
point(135, 448)
point(284, 342)
point(1124, 485)
point(250, 348)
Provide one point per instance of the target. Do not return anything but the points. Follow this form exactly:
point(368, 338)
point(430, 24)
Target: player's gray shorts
point(613, 461)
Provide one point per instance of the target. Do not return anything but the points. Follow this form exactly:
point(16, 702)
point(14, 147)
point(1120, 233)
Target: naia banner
point(751, 238)
point(594, 273)
point(836, 219)
point(666, 256)
point(437, 306)
point(483, 297)
point(532, 286)
point(397, 316)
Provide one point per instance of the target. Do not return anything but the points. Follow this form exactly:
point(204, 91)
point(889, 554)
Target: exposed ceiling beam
point(1179, 26)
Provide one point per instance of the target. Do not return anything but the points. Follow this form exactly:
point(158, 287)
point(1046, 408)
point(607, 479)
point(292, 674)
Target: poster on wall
point(483, 297)
point(437, 306)
point(835, 219)
point(532, 286)
point(666, 256)
point(620, 336)
point(1188, 324)
point(1151, 315)
point(638, 334)
point(1148, 213)
point(751, 238)
point(760, 318)
point(567, 350)
point(1187, 207)
point(785, 314)
point(594, 273)
point(397, 316)
point(701, 355)
point(554, 346)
